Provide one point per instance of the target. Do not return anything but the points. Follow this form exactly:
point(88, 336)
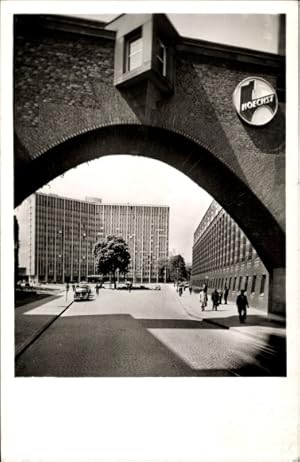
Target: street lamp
point(61, 255)
point(150, 258)
point(141, 263)
point(132, 236)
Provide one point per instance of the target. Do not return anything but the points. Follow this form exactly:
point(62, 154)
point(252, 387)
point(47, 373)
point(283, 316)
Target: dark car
point(82, 292)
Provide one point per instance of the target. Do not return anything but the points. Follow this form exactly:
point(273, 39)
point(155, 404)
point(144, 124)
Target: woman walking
point(215, 300)
point(202, 299)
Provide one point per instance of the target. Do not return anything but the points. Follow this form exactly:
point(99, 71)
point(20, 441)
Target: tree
point(177, 268)
point(163, 269)
point(111, 254)
point(188, 268)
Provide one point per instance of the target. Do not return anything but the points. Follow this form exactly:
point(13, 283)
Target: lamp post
point(150, 258)
point(157, 253)
point(177, 277)
point(141, 265)
point(98, 236)
point(61, 255)
point(132, 239)
point(84, 247)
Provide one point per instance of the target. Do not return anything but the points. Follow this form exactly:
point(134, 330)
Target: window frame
point(262, 284)
point(253, 285)
point(162, 60)
point(132, 37)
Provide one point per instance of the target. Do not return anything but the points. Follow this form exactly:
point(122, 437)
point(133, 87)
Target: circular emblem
point(255, 101)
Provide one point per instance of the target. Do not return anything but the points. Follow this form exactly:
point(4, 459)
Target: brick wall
point(64, 88)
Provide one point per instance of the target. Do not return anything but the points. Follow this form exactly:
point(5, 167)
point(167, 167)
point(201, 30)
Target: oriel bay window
point(144, 51)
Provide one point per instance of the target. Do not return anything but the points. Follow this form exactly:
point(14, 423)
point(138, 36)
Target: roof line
point(93, 27)
point(126, 204)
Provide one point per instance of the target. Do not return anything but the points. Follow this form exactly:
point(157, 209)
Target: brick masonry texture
point(64, 87)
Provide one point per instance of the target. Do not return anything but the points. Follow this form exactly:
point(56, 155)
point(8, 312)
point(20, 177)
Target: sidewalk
point(33, 318)
point(258, 324)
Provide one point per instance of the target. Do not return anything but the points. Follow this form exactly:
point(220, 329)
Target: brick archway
point(75, 101)
point(176, 150)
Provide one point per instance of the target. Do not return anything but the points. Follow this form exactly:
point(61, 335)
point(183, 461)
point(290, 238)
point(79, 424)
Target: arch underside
point(201, 166)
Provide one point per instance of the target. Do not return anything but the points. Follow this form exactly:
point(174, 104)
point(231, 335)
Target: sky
point(140, 180)
point(254, 31)
point(146, 181)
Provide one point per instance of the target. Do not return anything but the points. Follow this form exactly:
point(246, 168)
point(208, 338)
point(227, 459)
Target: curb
point(21, 348)
point(233, 329)
point(236, 329)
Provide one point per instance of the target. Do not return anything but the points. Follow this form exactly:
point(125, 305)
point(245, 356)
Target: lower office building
point(222, 255)
point(57, 237)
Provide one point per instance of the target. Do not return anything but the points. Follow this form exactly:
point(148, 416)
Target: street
point(142, 333)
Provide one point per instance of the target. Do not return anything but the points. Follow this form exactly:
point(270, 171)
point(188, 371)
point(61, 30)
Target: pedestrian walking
point(220, 297)
point(226, 291)
point(190, 289)
point(67, 290)
point(215, 300)
point(202, 299)
point(242, 305)
point(205, 293)
point(180, 291)
point(73, 287)
point(97, 288)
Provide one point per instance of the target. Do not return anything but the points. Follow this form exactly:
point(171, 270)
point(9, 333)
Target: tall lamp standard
point(119, 234)
point(157, 252)
point(177, 278)
point(61, 255)
point(150, 259)
point(84, 248)
point(141, 265)
point(132, 245)
point(99, 235)
point(158, 249)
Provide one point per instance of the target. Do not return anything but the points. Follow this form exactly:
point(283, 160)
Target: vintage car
point(82, 292)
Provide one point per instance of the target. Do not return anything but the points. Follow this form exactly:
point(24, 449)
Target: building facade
point(222, 255)
point(58, 235)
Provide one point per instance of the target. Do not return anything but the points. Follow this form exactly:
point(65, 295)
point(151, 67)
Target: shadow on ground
point(271, 359)
point(33, 299)
point(122, 346)
point(174, 324)
point(252, 320)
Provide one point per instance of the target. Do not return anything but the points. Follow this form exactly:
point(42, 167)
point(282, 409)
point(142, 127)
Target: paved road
point(139, 334)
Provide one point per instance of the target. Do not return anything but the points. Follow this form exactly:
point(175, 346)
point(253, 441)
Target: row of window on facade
point(207, 262)
point(61, 226)
point(63, 205)
point(236, 283)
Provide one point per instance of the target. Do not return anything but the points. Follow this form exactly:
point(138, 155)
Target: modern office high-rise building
point(222, 255)
point(57, 237)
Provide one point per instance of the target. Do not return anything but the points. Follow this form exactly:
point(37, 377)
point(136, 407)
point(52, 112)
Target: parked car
point(82, 292)
point(24, 285)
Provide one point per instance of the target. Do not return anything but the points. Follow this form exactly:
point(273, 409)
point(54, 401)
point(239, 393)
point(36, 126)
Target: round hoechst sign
point(255, 101)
